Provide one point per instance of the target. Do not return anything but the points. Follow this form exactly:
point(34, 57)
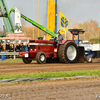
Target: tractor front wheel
point(26, 60)
point(41, 58)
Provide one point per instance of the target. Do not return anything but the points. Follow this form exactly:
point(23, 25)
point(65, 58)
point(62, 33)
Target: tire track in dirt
point(17, 68)
point(80, 89)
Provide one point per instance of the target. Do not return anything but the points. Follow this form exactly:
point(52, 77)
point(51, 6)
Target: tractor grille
point(32, 41)
point(32, 47)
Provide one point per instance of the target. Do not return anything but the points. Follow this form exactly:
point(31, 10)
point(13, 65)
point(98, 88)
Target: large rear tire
point(68, 52)
point(81, 55)
point(26, 60)
point(41, 58)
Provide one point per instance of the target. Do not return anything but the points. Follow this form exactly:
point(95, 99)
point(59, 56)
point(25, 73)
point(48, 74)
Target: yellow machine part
point(50, 17)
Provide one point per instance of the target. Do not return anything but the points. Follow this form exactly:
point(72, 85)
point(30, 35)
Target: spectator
point(22, 47)
point(1, 48)
point(17, 47)
point(8, 46)
point(4, 47)
point(11, 48)
point(26, 47)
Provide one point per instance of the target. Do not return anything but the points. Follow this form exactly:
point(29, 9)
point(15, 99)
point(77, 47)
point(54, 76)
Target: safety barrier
point(9, 53)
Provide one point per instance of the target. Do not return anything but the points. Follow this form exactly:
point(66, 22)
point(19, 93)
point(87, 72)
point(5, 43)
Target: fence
point(10, 53)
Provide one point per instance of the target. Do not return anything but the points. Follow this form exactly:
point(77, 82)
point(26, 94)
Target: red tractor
point(47, 51)
point(44, 51)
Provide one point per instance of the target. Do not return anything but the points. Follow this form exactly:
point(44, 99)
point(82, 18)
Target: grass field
point(53, 74)
point(13, 60)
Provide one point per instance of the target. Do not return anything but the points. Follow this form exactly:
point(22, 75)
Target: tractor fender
point(64, 41)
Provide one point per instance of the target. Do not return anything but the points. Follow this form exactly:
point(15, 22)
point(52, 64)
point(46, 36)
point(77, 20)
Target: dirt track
point(80, 89)
point(17, 68)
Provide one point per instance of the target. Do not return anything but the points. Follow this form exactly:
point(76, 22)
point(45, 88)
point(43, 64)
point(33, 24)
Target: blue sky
point(80, 10)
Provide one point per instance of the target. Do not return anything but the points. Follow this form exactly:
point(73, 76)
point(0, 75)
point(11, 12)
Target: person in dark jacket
point(8, 46)
point(17, 47)
point(59, 37)
point(11, 48)
point(22, 47)
point(1, 47)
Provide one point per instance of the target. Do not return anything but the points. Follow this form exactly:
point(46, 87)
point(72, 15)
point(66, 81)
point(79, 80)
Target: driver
point(59, 38)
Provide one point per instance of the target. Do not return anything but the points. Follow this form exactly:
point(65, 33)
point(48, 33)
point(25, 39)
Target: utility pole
point(33, 18)
point(38, 18)
point(56, 16)
point(50, 17)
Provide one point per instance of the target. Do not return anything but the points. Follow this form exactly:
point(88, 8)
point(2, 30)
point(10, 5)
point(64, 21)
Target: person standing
point(4, 47)
point(1, 47)
point(26, 47)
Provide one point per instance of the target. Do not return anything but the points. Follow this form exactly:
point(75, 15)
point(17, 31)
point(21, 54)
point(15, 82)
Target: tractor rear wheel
point(26, 60)
point(68, 52)
point(41, 58)
point(81, 54)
